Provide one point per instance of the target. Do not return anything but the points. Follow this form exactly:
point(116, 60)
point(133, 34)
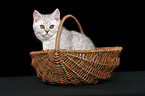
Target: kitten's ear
point(56, 14)
point(36, 15)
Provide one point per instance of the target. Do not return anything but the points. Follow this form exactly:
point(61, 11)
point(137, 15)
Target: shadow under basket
point(61, 66)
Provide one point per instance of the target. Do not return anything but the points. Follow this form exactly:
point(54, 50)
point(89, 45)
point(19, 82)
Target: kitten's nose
point(46, 31)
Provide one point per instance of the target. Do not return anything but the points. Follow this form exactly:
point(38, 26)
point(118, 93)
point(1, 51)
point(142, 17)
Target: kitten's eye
point(51, 26)
point(42, 26)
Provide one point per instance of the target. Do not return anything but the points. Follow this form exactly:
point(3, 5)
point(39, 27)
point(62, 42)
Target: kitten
point(46, 27)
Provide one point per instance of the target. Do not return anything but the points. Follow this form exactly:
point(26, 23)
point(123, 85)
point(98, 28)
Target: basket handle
point(60, 26)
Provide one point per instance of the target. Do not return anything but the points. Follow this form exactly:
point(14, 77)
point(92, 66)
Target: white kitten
point(46, 27)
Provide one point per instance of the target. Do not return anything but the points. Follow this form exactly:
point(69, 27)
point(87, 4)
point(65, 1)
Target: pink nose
point(46, 31)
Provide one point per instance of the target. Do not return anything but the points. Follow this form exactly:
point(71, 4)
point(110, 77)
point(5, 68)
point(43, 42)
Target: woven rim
point(101, 49)
point(60, 26)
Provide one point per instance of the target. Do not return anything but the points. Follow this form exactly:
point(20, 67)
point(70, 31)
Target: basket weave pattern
point(75, 66)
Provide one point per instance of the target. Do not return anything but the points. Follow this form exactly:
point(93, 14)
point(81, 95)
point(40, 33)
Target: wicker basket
point(75, 66)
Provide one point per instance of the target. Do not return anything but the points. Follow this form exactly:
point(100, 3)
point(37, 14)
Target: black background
point(106, 25)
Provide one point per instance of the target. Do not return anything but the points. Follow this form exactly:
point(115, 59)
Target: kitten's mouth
point(46, 35)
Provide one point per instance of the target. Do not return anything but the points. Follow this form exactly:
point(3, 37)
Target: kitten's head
point(45, 26)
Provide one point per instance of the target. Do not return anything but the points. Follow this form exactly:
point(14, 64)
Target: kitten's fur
point(70, 40)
